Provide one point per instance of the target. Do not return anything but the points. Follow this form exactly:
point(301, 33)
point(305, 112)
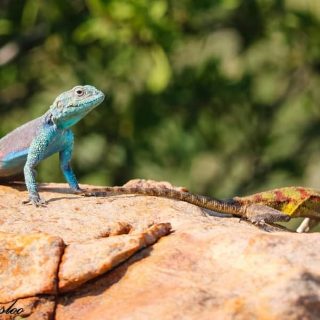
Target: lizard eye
point(79, 92)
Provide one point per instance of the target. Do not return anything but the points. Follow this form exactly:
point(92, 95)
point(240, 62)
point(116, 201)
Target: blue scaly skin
point(22, 149)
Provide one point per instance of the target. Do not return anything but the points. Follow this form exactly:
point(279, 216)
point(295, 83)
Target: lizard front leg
point(65, 156)
point(36, 153)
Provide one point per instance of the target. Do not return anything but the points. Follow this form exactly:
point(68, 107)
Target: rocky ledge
point(140, 257)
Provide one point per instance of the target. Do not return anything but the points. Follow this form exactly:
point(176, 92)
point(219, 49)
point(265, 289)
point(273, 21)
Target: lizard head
point(71, 106)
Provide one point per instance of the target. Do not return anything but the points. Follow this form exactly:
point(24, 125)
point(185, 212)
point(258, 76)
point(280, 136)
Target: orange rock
point(28, 264)
point(34, 308)
point(87, 260)
point(209, 267)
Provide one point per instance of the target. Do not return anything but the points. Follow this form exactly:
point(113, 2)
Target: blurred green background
point(218, 96)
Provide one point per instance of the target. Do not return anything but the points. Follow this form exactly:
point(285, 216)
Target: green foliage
point(219, 96)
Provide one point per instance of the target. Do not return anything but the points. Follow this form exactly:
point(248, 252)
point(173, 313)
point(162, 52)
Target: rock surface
point(33, 308)
point(209, 267)
point(83, 261)
point(28, 264)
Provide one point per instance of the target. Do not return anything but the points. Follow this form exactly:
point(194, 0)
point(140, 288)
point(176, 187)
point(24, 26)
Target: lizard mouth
point(97, 98)
point(94, 100)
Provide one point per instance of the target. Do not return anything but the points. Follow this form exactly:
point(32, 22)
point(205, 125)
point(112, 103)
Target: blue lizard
point(23, 148)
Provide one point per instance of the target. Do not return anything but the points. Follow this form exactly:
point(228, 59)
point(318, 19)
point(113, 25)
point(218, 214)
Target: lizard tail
point(198, 200)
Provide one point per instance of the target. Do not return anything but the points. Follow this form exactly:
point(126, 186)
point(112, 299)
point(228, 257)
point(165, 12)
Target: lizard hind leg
point(260, 214)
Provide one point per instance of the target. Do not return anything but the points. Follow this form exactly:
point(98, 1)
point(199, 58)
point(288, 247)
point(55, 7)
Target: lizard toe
point(38, 202)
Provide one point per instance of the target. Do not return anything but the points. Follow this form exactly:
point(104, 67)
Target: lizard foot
point(85, 193)
point(36, 201)
point(77, 191)
point(270, 227)
point(261, 215)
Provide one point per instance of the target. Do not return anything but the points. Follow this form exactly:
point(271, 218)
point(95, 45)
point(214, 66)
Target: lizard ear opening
point(48, 119)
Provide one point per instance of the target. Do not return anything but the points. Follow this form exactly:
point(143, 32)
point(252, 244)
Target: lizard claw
point(84, 193)
point(93, 194)
point(271, 227)
point(77, 191)
point(89, 194)
point(36, 201)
